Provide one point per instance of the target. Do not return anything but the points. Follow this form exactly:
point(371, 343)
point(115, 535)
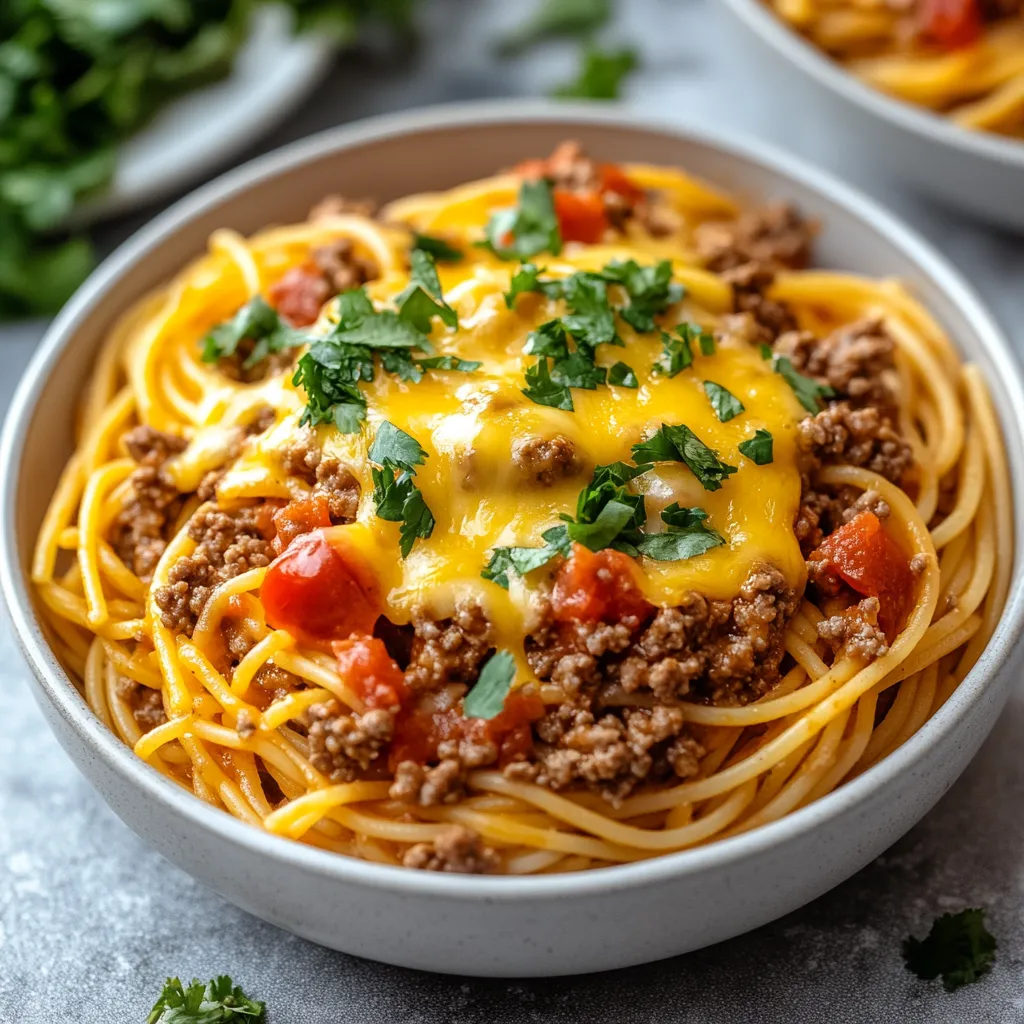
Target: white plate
point(203, 129)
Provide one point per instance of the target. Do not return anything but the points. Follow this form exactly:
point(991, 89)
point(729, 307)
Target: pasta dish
point(559, 520)
point(962, 58)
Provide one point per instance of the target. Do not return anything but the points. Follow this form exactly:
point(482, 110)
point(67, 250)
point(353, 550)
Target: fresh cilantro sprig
point(687, 535)
point(219, 1001)
point(759, 448)
point(422, 300)
point(258, 323)
point(651, 291)
point(809, 392)
point(678, 443)
point(959, 948)
point(556, 18)
point(440, 248)
point(726, 405)
point(396, 497)
point(529, 228)
point(487, 698)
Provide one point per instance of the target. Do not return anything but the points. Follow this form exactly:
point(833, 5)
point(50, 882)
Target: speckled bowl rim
point(833, 76)
point(58, 690)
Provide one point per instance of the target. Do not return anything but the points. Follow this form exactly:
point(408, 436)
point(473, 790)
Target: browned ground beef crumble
point(620, 723)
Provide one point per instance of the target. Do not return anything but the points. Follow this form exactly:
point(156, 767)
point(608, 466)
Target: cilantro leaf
point(577, 370)
point(487, 698)
point(523, 559)
point(686, 537)
point(449, 363)
point(676, 354)
point(759, 448)
point(217, 1002)
point(601, 74)
point(329, 397)
point(765, 350)
point(707, 343)
point(422, 300)
point(593, 526)
point(540, 388)
point(651, 291)
point(726, 405)
point(611, 520)
point(680, 444)
point(809, 392)
point(394, 445)
point(958, 947)
point(437, 247)
point(552, 18)
point(381, 329)
point(549, 339)
point(527, 279)
point(622, 375)
point(527, 229)
point(591, 320)
point(256, 322)
point(396, 497)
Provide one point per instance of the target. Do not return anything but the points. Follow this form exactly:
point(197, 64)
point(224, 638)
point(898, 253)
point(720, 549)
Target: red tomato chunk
point(298, 517)
point(953, 24)
point(364, 663)
point(598, 587)
point(299, 295)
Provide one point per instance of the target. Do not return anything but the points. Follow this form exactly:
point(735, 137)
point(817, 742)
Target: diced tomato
point(419, 733)
point(614, 179)
point(320, 593)
point(598, 587)
point(364, 663)
point(867, 558)
point(303, 515)
point(952, 24)
point(581, 216)
point(299, 295)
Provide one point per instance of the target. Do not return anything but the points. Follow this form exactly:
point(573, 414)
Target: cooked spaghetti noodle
point(486, 564)
point(962, 58)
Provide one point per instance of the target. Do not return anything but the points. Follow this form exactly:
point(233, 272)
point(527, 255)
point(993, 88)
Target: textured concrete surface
point(91, 920)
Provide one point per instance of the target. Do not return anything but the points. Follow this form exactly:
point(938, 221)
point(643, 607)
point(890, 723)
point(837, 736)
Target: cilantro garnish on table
point(219, 1001)
point(601, 74)
point(487, 698)
point(553, 18)
point(958, 948)
point(396, 455)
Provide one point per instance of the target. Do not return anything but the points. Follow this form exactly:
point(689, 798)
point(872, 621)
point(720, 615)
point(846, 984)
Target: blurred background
point(90, 919)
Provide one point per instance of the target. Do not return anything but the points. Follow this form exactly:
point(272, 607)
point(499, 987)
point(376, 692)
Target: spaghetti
point(559, 520)
point(963, 58)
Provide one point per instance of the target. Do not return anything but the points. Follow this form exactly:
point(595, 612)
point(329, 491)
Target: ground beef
point(325, 474)
point(821, 512)
point(458, 850)
point(146, 703)
point(139, 531)
point(448, 651)
point(855, 632)
point(342, 745)
point(611, 754)
point(569, 654)
point(750, 283)
point(229, 542)
point(841, 434)
point(339, 206)
point(773, 237)
point(237, 366)
point(545, 460)
point(856, 361)
point(444, 783)
point(745, 327)
point(342, 268)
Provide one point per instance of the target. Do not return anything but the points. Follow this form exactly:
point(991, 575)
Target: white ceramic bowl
point(980, 172)
point(497, 925)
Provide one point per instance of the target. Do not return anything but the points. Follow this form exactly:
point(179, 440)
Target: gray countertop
point(91, 920)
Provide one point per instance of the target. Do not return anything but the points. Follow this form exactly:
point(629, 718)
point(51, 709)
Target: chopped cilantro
point(439, 248)
point(331, 394)
point(524, 560)
point(681, 444)
point(724, 402)
point(449, 363)
point(552, 18)
point(622, 375)
point(395, 495)
point(540, 388)
point(686, 537)
point(765, 350)
point(707, 343)
point(959, 948)
point(601, 74)
point(219, 1001)
point(527, 279)
point(809, 392)
point(527, 229)
point(650, 289)
point(258, 323)
point(676, 353)
point(487, 698)
point(591, 320)
point(550, 339)
point(758, 448)
point(422, 299)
